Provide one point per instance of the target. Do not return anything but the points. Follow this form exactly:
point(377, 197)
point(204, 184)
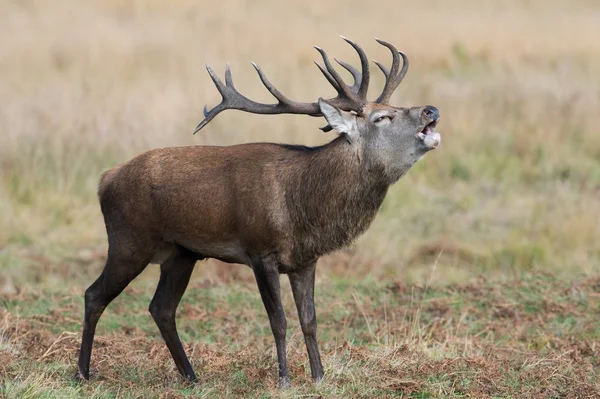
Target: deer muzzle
point(428, 136)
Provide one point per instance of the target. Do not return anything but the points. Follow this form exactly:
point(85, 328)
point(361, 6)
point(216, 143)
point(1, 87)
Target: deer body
point(229, 202)
point(276, 208)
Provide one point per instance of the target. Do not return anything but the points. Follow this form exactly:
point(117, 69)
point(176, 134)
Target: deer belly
point(231, 251)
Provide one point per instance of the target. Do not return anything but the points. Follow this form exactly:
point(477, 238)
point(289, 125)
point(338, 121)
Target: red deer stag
point(274, 207)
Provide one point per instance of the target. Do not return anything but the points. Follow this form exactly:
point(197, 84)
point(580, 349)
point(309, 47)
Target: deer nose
point(431, 112)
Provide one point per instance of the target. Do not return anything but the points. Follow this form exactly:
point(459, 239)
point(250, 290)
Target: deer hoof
point(284, 382)
point(81, 376)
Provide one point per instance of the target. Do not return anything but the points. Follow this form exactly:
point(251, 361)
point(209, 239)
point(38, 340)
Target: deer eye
point(382, 118)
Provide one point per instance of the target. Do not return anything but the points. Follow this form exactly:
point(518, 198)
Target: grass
point(533, 337)
point(506, 209)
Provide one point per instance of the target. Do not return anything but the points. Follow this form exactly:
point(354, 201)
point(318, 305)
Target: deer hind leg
point(123, 264)
point(175, 275)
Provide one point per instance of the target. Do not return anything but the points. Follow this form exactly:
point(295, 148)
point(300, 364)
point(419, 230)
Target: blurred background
point(514, 187)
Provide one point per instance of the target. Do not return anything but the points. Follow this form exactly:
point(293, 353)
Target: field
point(480, 276)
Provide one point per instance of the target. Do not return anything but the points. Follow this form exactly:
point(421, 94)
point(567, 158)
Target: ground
point(532, 337)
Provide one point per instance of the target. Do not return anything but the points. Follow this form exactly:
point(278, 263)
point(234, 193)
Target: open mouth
point(428, 136)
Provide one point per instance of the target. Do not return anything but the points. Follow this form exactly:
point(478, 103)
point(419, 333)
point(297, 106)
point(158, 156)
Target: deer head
point(388, 138)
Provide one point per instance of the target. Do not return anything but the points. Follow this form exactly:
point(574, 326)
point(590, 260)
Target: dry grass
point(512, 190)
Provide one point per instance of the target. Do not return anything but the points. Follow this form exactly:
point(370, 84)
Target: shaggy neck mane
point(338, 198)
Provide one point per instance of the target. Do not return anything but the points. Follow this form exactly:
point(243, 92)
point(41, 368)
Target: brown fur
point(297, 202)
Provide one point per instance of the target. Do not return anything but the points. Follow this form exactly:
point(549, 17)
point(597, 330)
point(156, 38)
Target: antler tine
point(228, 77)
point(272, 89)
point(364, 63)
point(404, 69)
point(393, 77)
point(216, 80)
point(329, 78)
point(387, 89)
point(356, 75)
point(343, 90)
point(207, 118)
point(383, 69)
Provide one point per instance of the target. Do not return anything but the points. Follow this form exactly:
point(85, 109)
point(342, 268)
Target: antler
point(349, 98)
point(392, 77)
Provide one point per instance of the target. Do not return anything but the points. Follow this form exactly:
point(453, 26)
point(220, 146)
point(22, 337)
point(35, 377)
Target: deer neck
point(333, 197)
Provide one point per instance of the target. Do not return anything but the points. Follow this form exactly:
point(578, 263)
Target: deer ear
point(342, 121)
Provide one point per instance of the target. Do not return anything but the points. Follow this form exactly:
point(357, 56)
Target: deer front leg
point(267, 278)
point(303, 288)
